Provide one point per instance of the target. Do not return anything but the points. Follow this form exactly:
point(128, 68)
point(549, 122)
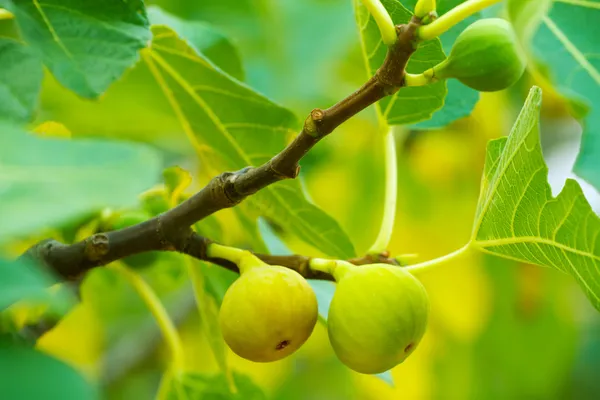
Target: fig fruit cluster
point(486, 57)
point(377, 317)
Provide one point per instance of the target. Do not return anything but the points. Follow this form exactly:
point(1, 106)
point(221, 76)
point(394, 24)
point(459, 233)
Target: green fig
point(377, 317)
point(268, 313)
point(486, 57)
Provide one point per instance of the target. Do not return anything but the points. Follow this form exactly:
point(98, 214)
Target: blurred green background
point(498, 329)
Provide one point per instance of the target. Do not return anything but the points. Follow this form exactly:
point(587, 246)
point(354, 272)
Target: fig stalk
point(453, 17)
point(383, 20)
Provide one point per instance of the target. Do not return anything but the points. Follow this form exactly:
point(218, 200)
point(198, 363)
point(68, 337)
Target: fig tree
point(377, 316)
point(268, 313)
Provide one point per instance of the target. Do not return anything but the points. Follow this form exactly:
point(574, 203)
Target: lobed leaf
point(86, 44)
point(563, 36)
point(204, 38)
point(517, 217)
point(230, 126)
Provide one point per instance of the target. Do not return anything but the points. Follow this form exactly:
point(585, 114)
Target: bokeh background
point(498, 329)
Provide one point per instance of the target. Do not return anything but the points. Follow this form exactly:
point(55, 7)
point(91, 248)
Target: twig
point(171, 231)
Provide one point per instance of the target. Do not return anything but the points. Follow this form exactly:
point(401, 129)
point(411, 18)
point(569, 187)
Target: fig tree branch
point(171, 231)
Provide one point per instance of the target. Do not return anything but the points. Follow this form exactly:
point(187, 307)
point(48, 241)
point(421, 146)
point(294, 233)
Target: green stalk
point(242, 258)
point(383, 20)
point(336, 268)
point(166, 325)
point(453, 17)
point(428, 265)
point(391, 194)
point(5, 14)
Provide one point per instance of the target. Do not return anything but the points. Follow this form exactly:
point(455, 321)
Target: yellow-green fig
point(486, 57)
point(377, 317)
point(268, 313)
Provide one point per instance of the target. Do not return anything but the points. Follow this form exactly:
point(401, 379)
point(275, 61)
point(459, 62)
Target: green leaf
point(204, 38)
point(566, 42)
point(196, 386)
point(29, 374)
point(410, 104)
point(461, 100)
point(231, 127)
point(21, 280)
point(86, 44)
point(45, 182)
point(208, 308)
point(20, 80)
point(517, 217)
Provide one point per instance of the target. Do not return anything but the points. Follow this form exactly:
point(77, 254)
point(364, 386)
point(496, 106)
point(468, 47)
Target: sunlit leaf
point(204, 38)
point(45, 182)
point(517, 217)
point(86, 44)
point(29, 374)
point(565, 41)
point(410, 104)
point(20, 80)
point(232, 127)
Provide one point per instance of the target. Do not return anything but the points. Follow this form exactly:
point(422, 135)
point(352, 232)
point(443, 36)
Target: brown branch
point(171, 230)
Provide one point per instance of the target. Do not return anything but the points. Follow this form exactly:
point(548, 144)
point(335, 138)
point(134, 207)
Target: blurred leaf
point(47, 181)
point(29, 374)
point(196, 386)
point(526, 16)
point(571, 55)
point(208, 309)
point(52, 129)
point(461, 99)
point(86, 44)
point(223, 119)
point(410, 104)
point(203, 38)
point(177, 180)
point(517, 217)
point(21, 279)
point(20, 80)
point(274, 244)
point(525, 368)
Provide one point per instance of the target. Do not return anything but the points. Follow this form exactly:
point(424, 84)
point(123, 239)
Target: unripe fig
point(486, 57)
point(377, 316)
point(268, 313)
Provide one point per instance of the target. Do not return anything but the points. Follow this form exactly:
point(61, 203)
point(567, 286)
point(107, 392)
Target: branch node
point(96, 247)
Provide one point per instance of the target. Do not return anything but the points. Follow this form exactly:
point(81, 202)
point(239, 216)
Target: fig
point(377, 316)
point(486, 57)
point(267, 313)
